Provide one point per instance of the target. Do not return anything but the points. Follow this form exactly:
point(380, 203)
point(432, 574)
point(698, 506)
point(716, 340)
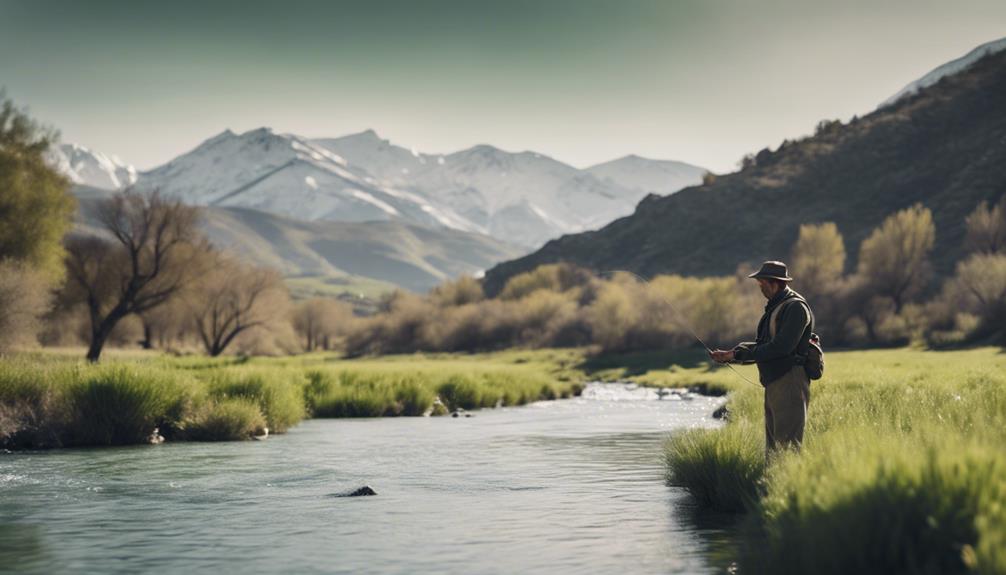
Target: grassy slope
point(903, 468)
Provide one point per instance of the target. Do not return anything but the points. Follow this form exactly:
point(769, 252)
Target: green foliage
point(894, 259)
point(278, 393)
point(35, 204)
point(986, 228)
point(24, 299)
point(120, 405)
point(818, 258)
point(227, 420)
point(721, 469)
point(883, 505)
point(552, 277)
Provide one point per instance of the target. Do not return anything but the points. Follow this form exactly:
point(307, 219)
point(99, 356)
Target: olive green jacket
point(776, 355)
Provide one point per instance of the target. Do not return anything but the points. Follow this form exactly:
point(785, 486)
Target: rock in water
point(361, 492)
point(721, 413)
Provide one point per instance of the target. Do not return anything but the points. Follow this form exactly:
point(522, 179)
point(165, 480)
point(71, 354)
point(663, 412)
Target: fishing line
point(679, 320)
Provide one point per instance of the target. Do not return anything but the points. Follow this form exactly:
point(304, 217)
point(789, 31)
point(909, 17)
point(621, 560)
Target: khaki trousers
point(786, 402)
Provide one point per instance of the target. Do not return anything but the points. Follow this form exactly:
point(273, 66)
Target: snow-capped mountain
point(523, 198)
point(91, 168)
point(385, 161)
point(951, 67)
point(646, 176)
point(287, 175)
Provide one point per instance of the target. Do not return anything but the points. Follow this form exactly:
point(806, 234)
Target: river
point(568, 486)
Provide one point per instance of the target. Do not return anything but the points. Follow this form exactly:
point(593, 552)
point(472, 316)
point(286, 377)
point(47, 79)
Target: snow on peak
point(81, 165)
point(950, 68)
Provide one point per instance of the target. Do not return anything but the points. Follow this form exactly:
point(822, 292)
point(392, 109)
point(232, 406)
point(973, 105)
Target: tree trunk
point(147, 342)
point(98, 338)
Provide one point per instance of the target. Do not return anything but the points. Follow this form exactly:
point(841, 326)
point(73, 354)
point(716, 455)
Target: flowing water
point(569, 486)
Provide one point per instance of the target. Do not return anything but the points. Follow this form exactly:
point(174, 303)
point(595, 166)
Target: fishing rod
point(679, 320)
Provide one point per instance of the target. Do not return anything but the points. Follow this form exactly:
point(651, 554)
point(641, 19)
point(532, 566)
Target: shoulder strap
point(773, 320)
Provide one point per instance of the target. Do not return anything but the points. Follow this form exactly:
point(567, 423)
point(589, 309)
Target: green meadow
point(53, 398)
point(903, 469)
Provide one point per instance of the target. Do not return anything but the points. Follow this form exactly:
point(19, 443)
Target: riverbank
point(53, 398)
point(903, 468)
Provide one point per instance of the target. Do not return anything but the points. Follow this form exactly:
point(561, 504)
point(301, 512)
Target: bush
point(227, 420)
point(466, 393)
point(121, 405)
point(23, 300)
point(278, 393)
point(31, 414)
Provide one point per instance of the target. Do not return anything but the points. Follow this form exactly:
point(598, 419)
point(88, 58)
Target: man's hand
point(722, 356)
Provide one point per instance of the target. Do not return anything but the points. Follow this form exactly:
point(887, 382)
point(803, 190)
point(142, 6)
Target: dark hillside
point(944, 147)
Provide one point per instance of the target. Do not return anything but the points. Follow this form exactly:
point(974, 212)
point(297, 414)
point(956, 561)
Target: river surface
point(568, 486)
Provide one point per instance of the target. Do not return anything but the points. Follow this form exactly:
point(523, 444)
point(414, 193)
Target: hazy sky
point(702, 81)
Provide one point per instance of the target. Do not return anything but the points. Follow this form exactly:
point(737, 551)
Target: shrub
point(121, 405)
point(31, 414)
point(464, 392)
point(227, 420)
point(277, 392)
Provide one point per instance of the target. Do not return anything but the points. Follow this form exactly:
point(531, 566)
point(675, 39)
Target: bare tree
point(321, 320)
point(154, 252)
point(232, 299)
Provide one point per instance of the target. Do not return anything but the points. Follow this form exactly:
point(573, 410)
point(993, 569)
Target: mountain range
point(440, 215)
point(520, 198)
point(940, 142)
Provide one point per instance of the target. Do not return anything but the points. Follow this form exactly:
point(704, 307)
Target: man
point(783, 341)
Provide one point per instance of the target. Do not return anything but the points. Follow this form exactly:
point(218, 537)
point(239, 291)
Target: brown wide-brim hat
point(774, 271)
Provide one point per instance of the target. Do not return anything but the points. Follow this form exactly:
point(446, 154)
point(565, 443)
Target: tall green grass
point(721, 469)
point(227, 420)
point(369, 390)
point(53, 399)
point(277, 392)
point(117, 405)
point(903, 469)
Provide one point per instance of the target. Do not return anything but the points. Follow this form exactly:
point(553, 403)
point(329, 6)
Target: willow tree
point(154, 250)
point(894, 259)
point(986, 228)
point(818, 258)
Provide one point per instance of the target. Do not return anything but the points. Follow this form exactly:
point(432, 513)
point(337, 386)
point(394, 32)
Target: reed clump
point(227, 420)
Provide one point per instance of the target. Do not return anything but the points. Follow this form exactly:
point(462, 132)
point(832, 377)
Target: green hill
point(944, 147)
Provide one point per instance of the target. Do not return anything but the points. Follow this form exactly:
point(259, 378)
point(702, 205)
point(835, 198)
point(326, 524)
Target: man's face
point(768, 288)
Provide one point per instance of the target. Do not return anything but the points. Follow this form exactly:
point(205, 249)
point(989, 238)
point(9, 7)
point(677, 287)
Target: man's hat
point(773, 271)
